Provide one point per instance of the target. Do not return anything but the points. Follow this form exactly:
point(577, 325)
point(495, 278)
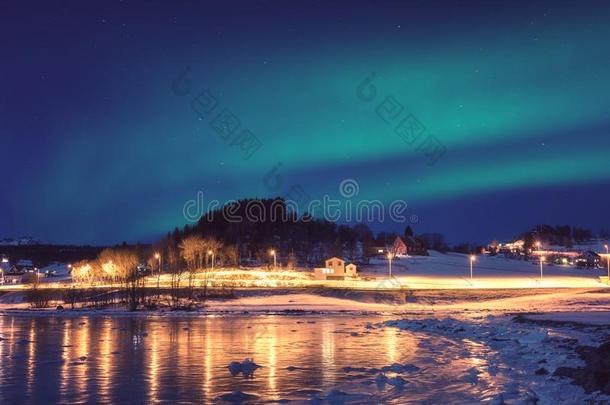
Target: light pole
point(390, 256)
point(542, 259)
point(607, 262)
point(537, 245)
point(272, 253)
point(472, 259)
point(158, 257)
point(211, 253)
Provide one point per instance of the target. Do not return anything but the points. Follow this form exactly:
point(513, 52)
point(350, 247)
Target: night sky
point(98, 145)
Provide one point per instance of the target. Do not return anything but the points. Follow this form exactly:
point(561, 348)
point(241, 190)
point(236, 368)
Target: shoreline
point(562, 303)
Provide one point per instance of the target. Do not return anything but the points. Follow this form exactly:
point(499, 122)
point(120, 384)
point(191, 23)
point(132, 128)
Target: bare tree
point(121, 265)
point(231, 254)
point(176, 271)
point(192, 249)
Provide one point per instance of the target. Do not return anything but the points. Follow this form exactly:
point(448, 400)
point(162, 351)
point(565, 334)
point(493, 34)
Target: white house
point(335, 269)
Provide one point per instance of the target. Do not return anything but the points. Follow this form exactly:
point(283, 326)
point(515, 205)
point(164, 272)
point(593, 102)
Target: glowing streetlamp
point(211, 253)
point(472, 259)
point(273, 253)
point(537, 245)
point(390, 257)
point(607, 262)
point(158, 257)
point(542, 259)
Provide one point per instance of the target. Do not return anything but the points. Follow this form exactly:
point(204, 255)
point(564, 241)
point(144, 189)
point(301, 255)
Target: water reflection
point(152, 360)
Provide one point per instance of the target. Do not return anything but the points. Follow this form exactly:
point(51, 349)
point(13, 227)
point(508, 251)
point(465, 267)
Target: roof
point(335, 258)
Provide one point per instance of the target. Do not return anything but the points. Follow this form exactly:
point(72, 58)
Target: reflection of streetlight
point(211, 253)
point(272, 253)
point(390, 257)
point(472, 259)
point(542, 259)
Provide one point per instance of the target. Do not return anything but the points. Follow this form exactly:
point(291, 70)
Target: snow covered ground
point(452, 270)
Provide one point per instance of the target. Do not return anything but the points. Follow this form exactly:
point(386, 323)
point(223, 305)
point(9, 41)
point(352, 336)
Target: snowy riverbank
point(495, 345)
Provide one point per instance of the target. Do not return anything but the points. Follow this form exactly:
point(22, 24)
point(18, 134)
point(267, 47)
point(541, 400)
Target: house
point(335, 269)
point(14, 278)
point(399, 248)
point(351, 270)
point(23, 266)
point(5, 267)
point(588, 259)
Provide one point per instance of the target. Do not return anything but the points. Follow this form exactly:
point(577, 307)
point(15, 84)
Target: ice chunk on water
point(246, 367)
point(533, 338)
point(237, 397)
point(400, 368)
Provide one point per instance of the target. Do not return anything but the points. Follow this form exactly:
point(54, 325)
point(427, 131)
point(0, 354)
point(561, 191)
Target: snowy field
point(452, 270)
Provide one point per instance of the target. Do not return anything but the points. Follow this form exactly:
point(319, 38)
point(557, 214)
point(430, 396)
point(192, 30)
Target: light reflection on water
point(99, 359)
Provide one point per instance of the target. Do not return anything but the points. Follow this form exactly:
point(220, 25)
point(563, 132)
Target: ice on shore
point(511, 350)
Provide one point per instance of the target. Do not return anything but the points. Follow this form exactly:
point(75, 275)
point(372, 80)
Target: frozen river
point(97, 359)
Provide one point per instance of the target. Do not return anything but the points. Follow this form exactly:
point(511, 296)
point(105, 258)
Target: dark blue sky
point(98, 147)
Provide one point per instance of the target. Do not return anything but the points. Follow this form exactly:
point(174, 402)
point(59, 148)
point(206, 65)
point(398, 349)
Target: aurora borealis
point(97, 148)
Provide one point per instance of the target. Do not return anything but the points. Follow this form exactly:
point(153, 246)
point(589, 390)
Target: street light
point(158, 257)
point(211, 253)
point(542, 259)
point(608, 262)
point(272, 253)
point(537, 245)
point(390, 257)
point(472, 259)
